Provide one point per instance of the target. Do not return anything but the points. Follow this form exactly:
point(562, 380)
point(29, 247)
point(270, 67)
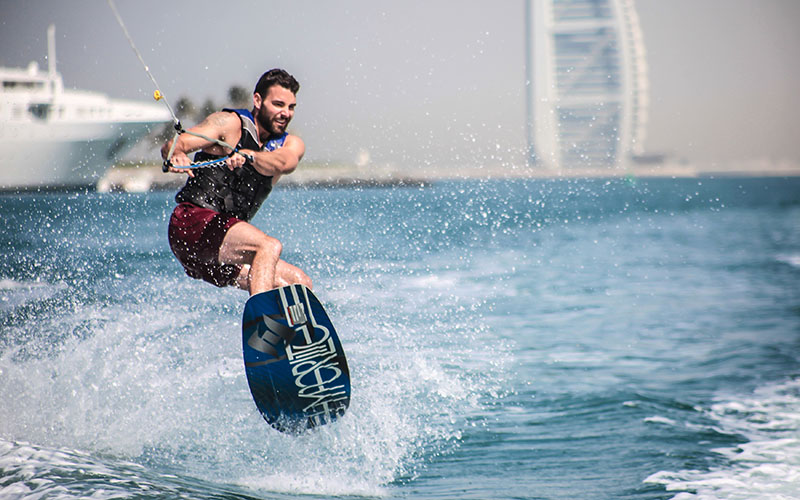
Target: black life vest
point(238, 192)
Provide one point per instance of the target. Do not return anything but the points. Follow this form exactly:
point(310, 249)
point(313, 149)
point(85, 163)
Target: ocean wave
point(32, 471)
point(793, 259)
point(767, 466)
point(10, 285)
point(661, 420)
point(15, 293)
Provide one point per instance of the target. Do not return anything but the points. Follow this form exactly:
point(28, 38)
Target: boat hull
point(64, 155)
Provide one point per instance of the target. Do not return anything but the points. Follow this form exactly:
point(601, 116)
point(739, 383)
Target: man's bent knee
point(270, 245)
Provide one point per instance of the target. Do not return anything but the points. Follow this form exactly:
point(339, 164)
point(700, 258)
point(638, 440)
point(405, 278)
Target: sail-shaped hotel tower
point(587, 84)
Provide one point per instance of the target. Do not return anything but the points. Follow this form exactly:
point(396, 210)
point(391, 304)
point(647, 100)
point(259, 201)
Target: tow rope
point(176, 123)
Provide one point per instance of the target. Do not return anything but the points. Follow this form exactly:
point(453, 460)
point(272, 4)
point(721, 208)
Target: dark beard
point(267, 125)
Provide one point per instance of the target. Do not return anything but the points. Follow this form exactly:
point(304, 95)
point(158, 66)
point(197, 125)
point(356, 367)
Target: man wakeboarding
point(209, 230)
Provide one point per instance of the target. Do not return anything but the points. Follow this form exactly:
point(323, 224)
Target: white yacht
point(56, 137)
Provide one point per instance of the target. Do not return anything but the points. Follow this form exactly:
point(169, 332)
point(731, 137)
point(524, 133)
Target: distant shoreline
point(135, 177)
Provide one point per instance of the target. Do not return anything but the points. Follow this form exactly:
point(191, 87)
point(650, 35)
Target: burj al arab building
point(587, 84)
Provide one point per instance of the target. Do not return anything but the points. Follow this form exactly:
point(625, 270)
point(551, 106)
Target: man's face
point(275, 110)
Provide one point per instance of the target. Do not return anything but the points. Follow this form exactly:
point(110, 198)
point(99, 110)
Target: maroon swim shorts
point(195, 235)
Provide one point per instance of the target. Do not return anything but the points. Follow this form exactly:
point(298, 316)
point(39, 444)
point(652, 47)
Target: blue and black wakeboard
point(293, 359)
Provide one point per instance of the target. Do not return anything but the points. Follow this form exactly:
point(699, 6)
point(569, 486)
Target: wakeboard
point(294, 361)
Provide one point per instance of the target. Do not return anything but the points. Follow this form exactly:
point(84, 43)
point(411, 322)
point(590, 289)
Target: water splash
point(163, 386)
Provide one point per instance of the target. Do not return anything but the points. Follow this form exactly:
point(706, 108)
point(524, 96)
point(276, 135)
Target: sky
point(429, 83)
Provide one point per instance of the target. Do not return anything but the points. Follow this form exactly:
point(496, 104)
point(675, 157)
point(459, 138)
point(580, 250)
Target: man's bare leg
point(245, 244)
point(259, 256)
point(287, 274)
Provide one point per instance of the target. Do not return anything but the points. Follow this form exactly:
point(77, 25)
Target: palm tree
point(207, 108)
point(185, 107)
point(240, 97)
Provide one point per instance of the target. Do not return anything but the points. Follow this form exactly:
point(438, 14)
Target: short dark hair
point(276, 77)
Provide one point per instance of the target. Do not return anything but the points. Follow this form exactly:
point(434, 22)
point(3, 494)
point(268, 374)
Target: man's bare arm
point(221, 125)
point(282, 161)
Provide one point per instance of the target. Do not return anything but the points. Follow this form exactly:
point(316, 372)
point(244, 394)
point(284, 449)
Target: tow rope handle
point(159, 96)
point(211, 163)
point(178, 131)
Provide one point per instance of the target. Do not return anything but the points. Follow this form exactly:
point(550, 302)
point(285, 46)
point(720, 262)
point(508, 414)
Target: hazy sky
point(429, 82)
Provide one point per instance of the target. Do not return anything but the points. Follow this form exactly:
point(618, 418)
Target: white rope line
point(159, 96)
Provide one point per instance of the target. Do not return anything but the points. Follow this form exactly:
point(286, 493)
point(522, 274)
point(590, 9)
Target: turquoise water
point(566, 339)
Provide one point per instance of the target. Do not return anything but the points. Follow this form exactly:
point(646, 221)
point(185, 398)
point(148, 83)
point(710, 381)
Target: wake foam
point(767, 466)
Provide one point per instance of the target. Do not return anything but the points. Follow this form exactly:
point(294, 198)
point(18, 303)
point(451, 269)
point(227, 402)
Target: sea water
point(553, 339)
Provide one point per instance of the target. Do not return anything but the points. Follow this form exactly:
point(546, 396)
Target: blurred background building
point(587, 92)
